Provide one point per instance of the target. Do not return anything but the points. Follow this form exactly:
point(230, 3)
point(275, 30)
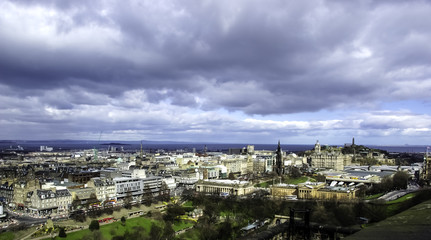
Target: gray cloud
point(245, 57)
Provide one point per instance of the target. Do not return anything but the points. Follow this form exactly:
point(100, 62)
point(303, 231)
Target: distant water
point(66, 145)
point(402, 149)
point(135, 145)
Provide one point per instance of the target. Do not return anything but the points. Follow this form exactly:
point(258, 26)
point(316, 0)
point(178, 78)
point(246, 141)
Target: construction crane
point(96, 151)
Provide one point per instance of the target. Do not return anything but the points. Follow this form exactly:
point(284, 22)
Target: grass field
point(375, 196)
point(296, 180)
point(181, 225)
point(108, 231)
point(188, 206)
point(264, 184)
point(394, 206)
point(17, 234)
point(7, 236)
point(189, 235)
point(402, 199)
point(413, 223)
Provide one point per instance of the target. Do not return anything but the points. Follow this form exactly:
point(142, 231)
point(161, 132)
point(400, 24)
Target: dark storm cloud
point(271, 58)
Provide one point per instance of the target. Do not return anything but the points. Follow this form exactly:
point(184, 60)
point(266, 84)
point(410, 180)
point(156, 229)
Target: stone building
point(82, 177)
point(21, 189)
point(6, 193)
point(46, 202)
point(329, 159)
point(236, 165)
point(227, 187)
point(314, 190)
point(104, 188)
point(83, 196)
point(284, 190)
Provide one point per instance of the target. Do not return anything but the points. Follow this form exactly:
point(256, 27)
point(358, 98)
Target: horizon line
point(204, 142)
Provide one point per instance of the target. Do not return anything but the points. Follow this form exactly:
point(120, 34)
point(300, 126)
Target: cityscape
point(215, 119)
point(320, 192)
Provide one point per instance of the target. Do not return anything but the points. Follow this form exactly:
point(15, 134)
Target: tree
point(164, 192)
point(210, 213)
point(225, 230)
point(62, 233)
point(94, 225)
point(128, 200)
point(320, 178)
point(138, 233)
point(231, 176)
point(173, 211)
point(207, 231)
point(295, 173)
point(97, 235)
point(76, 203)
point(345, 215)
point(168, 231)
point(156, 232)
point(400, 180)
point(78, 216)
point(148, 195)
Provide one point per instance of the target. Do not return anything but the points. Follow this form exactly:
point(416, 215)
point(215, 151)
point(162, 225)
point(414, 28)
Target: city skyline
point(216, 71)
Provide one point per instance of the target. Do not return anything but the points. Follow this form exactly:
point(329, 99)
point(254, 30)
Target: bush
point(62, 233)
point(94, 225)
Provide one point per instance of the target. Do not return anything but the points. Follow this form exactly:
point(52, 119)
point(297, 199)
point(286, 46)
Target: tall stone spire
point(278, 168)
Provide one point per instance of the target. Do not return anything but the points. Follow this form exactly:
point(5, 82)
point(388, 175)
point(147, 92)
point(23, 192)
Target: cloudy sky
point(216, 71)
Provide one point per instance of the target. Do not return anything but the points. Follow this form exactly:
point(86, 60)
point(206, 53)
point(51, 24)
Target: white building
point(136, 187)
point(135, 173)
point(227, 187)
point(104, 188)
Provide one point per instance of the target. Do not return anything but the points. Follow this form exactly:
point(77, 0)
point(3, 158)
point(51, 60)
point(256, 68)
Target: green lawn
point(375, 196)
point(130, 224)
point(188, 204)
point(181, 225)
point(7, 236)
point(402, 199)
point(264, 184)
point(192, 234)
point(114, 229)
point(296, 180)
point(394, 206)
point(411, 224)
point(17, 234)
point(110, 230)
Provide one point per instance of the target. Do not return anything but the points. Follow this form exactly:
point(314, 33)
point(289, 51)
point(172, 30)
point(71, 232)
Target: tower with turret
point(317, 147)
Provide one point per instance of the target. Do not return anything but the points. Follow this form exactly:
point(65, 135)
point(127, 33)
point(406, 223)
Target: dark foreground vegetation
point(223, 218)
